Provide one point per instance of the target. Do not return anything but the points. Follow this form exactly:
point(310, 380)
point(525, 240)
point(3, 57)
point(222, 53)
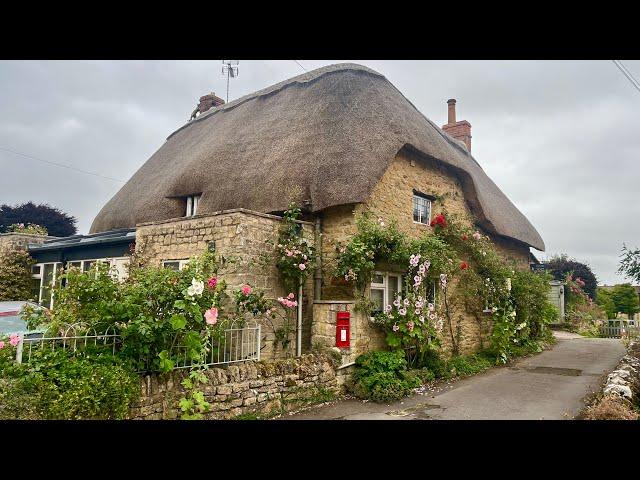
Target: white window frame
point(427, 203)
point(54, 278)
point(384, 286)
point(192, 205)
point(181, 262)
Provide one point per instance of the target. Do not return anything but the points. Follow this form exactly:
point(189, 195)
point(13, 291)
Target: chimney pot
point(459, 130)
point(207, 102)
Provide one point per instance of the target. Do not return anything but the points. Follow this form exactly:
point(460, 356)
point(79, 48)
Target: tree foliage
point(560, 266)
point(15, 275)
point(57, 223)
point(630, 263)
point(625, 298)
point(605, 301)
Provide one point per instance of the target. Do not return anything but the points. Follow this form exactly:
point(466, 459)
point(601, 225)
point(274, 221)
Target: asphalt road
point(550, 385)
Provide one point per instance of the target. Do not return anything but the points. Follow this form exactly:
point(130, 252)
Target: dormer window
point(422, 208)
point(192, 205)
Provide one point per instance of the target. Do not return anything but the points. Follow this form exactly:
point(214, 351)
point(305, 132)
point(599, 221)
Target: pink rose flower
point(477, 235)
point(291, 296)
point(302, 266)
point(213, 281)
point(246, 290)
point(14, 339)
point(211, 316)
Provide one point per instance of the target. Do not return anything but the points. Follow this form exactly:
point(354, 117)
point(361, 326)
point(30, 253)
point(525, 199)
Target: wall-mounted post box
point(343, 330)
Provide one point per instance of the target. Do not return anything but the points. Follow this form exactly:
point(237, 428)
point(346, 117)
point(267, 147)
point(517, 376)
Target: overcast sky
point(560, 138)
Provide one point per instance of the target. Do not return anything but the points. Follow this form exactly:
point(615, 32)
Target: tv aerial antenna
point(230, 69)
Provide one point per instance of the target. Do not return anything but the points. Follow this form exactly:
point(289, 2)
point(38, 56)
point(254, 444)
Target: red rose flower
point(464, 236)
point(464, 266)
point(439, 220)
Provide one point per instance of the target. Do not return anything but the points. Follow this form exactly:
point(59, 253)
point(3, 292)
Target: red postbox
point(343, 330)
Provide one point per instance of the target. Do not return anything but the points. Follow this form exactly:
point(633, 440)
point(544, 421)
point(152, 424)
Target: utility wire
point(627, 74)
point(61, 165)
point(300, 65)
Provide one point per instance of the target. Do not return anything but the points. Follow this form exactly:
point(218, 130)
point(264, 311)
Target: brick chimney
point(208, 101)
point(459, 130)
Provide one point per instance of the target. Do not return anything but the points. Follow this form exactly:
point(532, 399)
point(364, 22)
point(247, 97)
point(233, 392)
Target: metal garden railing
point(237, 343)
point(73, 337)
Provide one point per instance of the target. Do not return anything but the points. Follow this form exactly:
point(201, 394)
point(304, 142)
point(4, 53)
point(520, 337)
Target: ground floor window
point(175, 264)
point(384, 288)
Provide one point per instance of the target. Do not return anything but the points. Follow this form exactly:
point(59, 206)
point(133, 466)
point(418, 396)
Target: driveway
point(547, 386)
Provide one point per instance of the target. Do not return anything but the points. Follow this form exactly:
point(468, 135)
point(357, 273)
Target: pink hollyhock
point(410, 326)
point(14, 339)
point(302, 266)
point(395, 328)
point(246, 290)
point(211, 316)
point(213, 281)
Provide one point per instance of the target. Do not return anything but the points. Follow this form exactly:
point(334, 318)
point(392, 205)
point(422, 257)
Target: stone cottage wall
point(253, 388)
point(20, 241)
point(392, 199)
point(242, 237)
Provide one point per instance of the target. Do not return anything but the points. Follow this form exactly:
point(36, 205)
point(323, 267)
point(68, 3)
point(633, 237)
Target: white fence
point(630, 331)
point(237, 343)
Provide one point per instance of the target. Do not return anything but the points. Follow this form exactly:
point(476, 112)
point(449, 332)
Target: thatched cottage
point(338, 140)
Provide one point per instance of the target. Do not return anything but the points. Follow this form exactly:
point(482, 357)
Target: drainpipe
point(317, 275)
point(299, 329)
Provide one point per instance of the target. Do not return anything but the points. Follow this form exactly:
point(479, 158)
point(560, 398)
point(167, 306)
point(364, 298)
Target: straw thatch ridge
point(325, 137)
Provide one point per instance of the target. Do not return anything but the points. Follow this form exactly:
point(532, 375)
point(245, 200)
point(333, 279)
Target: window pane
point(377, 278)
point(47, 280)
point(377, 297)
point(393, 288)
point(172, 265)
point(35, 270)
point(74, 265)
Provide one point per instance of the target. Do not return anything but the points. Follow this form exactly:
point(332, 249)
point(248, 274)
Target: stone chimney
point(459, 130)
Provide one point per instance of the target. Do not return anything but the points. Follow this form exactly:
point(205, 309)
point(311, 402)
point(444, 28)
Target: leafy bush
point(15, 275)
point(92, 384)
point(466, 365)
point(382, 376)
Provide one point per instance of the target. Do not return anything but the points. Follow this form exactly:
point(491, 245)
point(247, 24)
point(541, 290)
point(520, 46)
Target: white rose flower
point(196, 288)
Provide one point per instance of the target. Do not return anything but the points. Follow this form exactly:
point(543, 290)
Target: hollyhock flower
point(402, 311)
point(213, 281)
point(406, 302)
point(421, 318)
point(196, 288)
point(418, 311)
point(302, 266)
point(417, 280)
point(432, 316)
point(443, 280)
point(477, 235)
point(246, 290)
point(464, 265)
point(343, 249)
point(395, 327)
point(289, 253)
point(410, 326)
point(1, 344)
point(14, 339)
point(396, 302)
point(211, 316)
point(388, 309)
point(431, 307)
point(414, 260)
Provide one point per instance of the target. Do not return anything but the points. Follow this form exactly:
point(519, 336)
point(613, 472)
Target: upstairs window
point(192, 205)
point(421, 208)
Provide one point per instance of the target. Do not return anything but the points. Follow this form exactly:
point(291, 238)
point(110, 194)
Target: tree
point(625, 298)
point(57, 223)
point(605, 302)
point(560, 265)
point(630, 263)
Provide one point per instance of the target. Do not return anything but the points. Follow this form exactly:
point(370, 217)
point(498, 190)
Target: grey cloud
point(560, 138)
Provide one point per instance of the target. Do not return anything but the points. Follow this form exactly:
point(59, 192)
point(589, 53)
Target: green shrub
point(383, 377)
point(466, 365)
point(93, 384)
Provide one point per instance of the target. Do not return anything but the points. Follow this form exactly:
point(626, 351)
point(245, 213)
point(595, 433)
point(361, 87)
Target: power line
point(61, 165)
point(300, 65)
point(627, 74)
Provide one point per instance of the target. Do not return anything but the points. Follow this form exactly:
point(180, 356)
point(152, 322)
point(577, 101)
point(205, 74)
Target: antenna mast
point(230, 69)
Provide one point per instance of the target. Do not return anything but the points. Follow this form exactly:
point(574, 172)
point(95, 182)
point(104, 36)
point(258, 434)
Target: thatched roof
point(330, 133)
